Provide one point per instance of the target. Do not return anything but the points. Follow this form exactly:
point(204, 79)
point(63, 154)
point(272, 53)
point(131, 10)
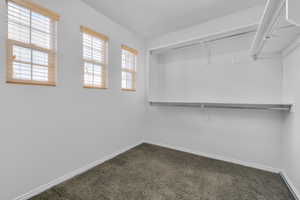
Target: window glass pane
point(93, 75)
point(88, 73)
point(128, 60)
point(98, 50)
point(21, 71)
point(98, 56)
point(40, 39)
point(39, 73)
point(93, 48)
point(22, 54)
point(98, 75)
point(124, 85)
point(97, 69)
point(129, 84)
point(18, 23)
point(98, 44)
point(97, 81)
point(87, 40)
point(127, 79)
point(129, 76)
point(87, 46)
point(18, 32)
point(19, 26)
point(18, 14)
point(123, 59)
point(87, 52)
point(41, 30)
point(40, 22)
point(40, 58)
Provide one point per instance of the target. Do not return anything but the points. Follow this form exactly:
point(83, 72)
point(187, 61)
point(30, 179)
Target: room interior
point(156, 100)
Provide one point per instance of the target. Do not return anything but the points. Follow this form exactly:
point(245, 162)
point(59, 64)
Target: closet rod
point(246, 106)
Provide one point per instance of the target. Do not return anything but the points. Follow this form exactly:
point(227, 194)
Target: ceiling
point(151, 18)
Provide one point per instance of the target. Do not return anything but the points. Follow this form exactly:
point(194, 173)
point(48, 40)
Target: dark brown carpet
point(150, 172)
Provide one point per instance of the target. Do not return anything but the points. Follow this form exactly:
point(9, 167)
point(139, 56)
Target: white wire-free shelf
point(254, 106)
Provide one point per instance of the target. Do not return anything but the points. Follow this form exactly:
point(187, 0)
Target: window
point(31, 44)
point(129, 60)
point(94, 58)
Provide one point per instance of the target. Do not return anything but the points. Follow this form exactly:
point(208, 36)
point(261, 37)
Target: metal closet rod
point(228, 37)
point(246, 106)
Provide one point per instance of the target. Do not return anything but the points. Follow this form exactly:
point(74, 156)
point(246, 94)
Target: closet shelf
point(255, 106)
point(232, 33)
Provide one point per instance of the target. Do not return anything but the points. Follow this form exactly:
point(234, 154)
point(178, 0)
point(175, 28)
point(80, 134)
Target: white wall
point(231, 76)
point(290, 135)
point(47, 132)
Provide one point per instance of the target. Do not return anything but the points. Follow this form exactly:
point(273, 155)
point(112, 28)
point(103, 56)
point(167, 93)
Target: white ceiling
point(151, 18)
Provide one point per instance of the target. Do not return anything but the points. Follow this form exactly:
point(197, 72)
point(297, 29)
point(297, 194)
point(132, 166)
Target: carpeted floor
point(150, 172)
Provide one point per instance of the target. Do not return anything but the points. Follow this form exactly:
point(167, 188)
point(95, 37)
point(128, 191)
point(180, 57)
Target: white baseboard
point(89, 166)
point(287, 180)
point(290, 185)
point(284, 176)
point(220, 157)
point(72, 174)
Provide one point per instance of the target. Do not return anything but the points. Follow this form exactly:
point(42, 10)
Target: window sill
point(20, 82)
point(92, 87)
point(128, 90)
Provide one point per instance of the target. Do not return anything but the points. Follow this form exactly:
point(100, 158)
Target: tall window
point(129, 60)
point(31, 44)
point(94, 58)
